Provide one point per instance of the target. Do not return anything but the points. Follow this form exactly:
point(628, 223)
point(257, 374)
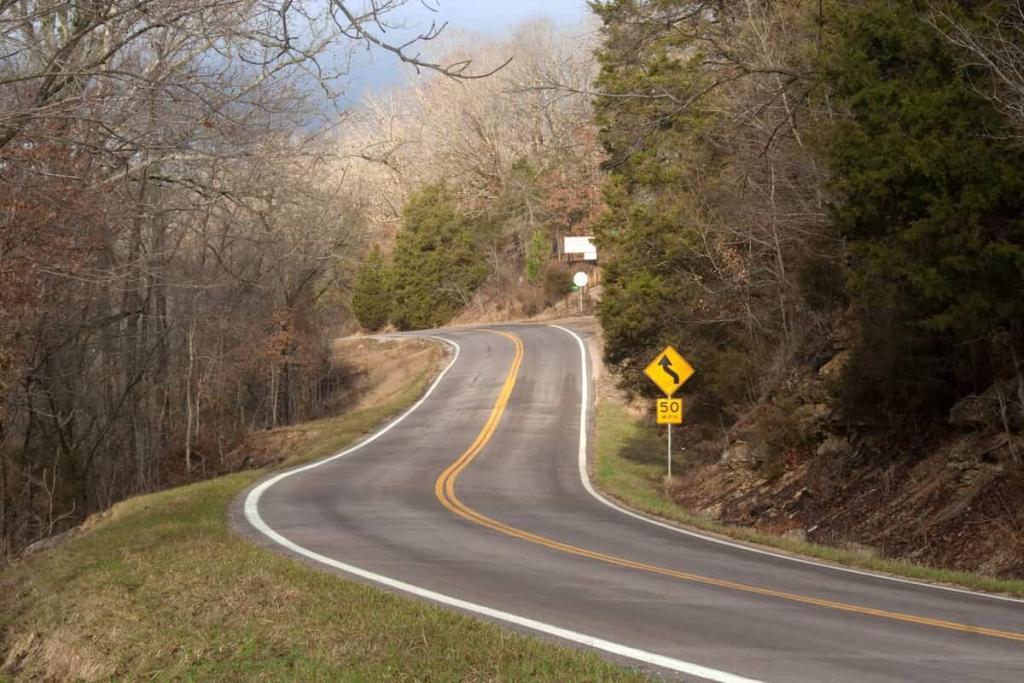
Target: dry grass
point(385, 367)
point(382, 372)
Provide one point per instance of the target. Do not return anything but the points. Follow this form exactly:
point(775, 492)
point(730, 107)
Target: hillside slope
point(792, 476)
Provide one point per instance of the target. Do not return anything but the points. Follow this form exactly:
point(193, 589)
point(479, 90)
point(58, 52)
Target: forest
point(177, 237)
point(776, 186)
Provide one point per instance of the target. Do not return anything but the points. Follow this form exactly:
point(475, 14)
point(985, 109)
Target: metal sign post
point(580, 279)
point(670, 452)
point(669, 371)
point(669, 411)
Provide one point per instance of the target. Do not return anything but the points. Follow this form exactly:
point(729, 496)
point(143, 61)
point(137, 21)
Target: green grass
point(630, 467)
point(160, 588)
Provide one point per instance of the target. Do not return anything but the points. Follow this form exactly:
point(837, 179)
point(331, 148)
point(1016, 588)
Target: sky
point(492, 18)
point(498, 16)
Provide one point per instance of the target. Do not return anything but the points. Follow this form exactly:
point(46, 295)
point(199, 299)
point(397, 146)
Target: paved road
point(475, 499)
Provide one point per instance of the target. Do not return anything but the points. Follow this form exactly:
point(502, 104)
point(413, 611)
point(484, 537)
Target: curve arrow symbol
point(666, 365)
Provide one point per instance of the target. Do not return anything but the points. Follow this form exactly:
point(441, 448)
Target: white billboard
point(580, 246)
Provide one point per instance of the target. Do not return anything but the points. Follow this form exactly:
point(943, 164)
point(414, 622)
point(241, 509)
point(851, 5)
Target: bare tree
point(174, 240)
point(995, 42)
point(473, 134)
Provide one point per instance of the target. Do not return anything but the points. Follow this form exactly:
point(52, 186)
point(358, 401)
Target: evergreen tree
point(371, 300)
point(931, 201)
point(538, 253)
point(436, 266)
point(660, 286)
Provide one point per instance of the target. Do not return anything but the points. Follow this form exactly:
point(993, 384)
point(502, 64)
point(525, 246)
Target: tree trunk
point(188, 396)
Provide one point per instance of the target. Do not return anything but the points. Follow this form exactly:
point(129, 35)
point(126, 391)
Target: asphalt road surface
point(474, 499)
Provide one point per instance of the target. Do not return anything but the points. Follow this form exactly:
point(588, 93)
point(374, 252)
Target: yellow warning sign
point(669, 370)
point(670, 411)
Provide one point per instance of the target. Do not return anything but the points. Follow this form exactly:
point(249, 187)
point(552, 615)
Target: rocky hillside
point(952, 498)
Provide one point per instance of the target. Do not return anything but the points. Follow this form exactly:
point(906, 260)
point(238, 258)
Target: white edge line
point(585, 478)
point(252, 515)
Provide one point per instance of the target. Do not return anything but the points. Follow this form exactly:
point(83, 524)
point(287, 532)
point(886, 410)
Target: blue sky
point(493, 18)
point(498, 16)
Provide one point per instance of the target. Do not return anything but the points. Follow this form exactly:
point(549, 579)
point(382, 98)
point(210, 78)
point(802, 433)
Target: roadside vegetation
point(629, 466)
point(160, 588)
point(820, 204)
point(840, 176)
point(474, 187)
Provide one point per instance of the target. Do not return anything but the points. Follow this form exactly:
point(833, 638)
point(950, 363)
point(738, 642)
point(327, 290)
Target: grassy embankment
point(630, 467)
point(160, 588)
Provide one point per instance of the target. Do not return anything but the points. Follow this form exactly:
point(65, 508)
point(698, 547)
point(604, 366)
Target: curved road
point(475, 499)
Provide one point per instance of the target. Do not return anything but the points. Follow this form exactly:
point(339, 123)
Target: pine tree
point(371, 300)
point(437, 266)
point(657, 276)
point(931, 200)
point(538, 253)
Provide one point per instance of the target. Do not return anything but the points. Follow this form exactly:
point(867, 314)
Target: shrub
point(729, 373)
point(557, 282)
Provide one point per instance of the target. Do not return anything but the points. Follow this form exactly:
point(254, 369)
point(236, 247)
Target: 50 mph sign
point(670, 411)
point(669, 370)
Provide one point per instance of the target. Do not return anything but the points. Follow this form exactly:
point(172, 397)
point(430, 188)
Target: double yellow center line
point(444, 489)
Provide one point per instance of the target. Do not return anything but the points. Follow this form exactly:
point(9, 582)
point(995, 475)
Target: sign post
point(580, 279)
point(669, 371)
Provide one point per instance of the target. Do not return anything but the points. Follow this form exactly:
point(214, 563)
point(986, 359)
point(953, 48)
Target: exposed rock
point(796, 502)
point(742, 453)
point(50, 542)
point(713, 511)
point(835, 446)
point(811, 418)
point(958, 465)
point(833, 370)
point(807, 389)
point(844, 335)
point(974, 411)
point(752, 509)
point(952, 498)
point(984, 410)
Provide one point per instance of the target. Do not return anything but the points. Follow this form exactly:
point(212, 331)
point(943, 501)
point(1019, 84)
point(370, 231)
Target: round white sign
point(580, 279)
